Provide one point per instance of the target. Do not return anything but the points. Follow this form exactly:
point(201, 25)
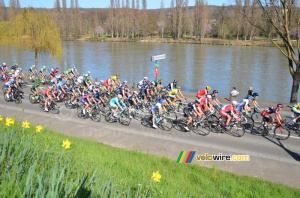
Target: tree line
point(131, 19)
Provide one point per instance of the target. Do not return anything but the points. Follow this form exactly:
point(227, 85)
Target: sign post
point(156, 59)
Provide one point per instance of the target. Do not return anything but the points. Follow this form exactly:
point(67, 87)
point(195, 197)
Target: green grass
point(36, 165)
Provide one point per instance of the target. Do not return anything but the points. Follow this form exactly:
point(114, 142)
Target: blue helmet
point(250, 98)
point(162, 101)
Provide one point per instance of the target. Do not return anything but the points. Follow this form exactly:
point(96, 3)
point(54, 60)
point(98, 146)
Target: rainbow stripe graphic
point(188, 159)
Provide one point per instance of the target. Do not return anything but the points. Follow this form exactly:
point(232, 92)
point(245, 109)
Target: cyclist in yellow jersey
point(296, 110)
point(175, 94)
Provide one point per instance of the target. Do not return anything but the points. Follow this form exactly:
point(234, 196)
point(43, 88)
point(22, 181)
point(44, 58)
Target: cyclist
point(123, 89)
point(15, 67)
point(190, 110)
point(205, 103)
point(244, 104)
point(132, 100)
point(270, 110)
point(174, 94)
point(158, 84)
point(87, 101)
point(34, 88)
point(74, 71)
point(31, 70)
point(42, 72)
point(4, 69)
point(228, 111)
point(296, 110)
point(215, 99)
point(47, 96)
point(116, 103)
point(159, 106)
point(203, 92)
point(9, 87)
point(172, 85)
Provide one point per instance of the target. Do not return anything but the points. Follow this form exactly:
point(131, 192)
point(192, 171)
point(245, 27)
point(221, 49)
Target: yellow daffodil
point(66, 144)
point(26, 125)
point(1, 118)
point(9, 122)
point(156, 176)
point(38, 128)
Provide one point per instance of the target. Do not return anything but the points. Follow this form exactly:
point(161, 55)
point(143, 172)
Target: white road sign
point(158, 57)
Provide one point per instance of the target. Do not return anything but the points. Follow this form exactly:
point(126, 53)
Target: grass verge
point(36, 165)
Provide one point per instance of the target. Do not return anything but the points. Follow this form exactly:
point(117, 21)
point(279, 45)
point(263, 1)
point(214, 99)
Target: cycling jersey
point(46, 92)
point(108, 82)
point(270, 110)
point(59, 85)
point(171, 86)
point(35, 86)
point(203, 102)
point(241, 104)
point(115, 101)
point(296, 108)
point(228, 109)
point(174, 92)
point(84, 98)
point(202, 93)
point(43, 70)
point(113, 77)
point(80, 79)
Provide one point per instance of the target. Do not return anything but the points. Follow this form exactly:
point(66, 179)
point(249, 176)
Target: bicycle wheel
point(32, 99)
point(55, 109)
point(248, 123)
point(258, 128)
point(214, 121)
point(95, 115)
point(80, 112)
point(203, 128)
point(125, 119)
point(237, 129)
point(42, 107)
point(171, 115)
point(165, 124)
point(137, 114)
point(3, 88)
point(282, 132)
point(108, 117)
point(147, 121)
point(18, 100)
point(180, 124)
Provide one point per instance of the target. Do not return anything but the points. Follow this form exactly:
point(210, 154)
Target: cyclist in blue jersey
point(116, 103)
point(159, 106)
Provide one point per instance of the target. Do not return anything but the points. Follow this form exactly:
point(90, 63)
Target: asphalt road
point(270, 159)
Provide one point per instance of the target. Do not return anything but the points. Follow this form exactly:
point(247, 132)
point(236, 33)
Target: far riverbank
point(206, 41)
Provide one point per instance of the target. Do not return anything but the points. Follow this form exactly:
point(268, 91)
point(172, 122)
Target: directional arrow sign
point(158, 57)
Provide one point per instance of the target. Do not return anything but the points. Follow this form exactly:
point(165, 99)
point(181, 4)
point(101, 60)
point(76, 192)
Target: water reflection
point(195, 66)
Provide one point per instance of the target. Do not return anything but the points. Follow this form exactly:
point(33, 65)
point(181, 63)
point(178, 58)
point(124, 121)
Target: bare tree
point(238, 21)
point(179, 5)
point(186, 20)
point(200, 12)
point(2, 11)
point(162, 19)
point(283, 16)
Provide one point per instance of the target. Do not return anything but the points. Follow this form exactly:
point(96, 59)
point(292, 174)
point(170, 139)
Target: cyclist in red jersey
point(46, 95)
point(270, 110)
point(205, 103)
point(203, 92)
point(228, 111)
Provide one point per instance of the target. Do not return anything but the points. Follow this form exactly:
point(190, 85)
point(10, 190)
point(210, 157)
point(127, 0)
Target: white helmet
point(209, 96)
point(101, 81)
point(3, 63)
point(125, 82)
point(145, 78)
point(234, 102)
point(158, 105)
point(120, 96)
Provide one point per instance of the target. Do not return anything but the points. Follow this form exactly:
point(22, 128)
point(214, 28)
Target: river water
point(194, 66)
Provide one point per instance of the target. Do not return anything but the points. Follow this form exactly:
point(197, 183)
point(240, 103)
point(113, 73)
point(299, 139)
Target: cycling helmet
point(69, 70)
point(208, 88)
point(44, 67)
point(215, 91)
point(33, 66)
point(153, 83)
point(145, 78)
point(11, 80)
point(124, 82)
point(163, 97)
point(197, 101)
point(101, 81)
point(20, 69)
point(161, 79)
point(50, 87)
point(120, 96)
point(4, 64)
point(280, 105)
point(209, 96)
point(175, 81)
point(135, 92)
point(56, 68)
point(89, 72)
point(162, 101)
point(52, 69)
point(17, 64)
point(255, 94)
point(74, 67)
point(234, 102)
point(178, 87)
